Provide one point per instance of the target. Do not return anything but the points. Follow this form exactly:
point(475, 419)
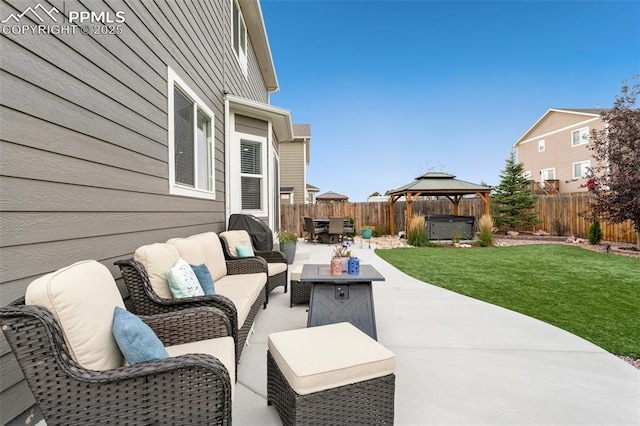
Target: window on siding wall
point(541, 145)
point(239, 36)
point(580, 137)
point(191, 156)
point(580, 169)
point(251, 174)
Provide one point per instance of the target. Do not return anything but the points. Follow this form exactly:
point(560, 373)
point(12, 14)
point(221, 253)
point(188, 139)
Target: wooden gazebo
point(436, 184)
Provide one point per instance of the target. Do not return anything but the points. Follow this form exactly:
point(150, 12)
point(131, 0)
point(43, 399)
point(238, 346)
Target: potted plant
point(367, 231)
point(343, 252)
point(288, 241)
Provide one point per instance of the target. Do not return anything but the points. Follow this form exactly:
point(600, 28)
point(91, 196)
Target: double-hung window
point(252, 175)
point(580, 169)
point(239, 36)
point(191, 153)
point(580, 136)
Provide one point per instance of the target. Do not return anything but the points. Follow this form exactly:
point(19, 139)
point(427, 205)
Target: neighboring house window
point(311, 197)
point(526, 174)
point(580, 169)
point(541, 145)
point(191, 153)
point(239, 36)
point(252, 174)
point(580, 137)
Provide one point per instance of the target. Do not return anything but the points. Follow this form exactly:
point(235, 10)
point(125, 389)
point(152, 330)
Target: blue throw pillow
point(204, 278)
point(136, 340)
point(244, 251)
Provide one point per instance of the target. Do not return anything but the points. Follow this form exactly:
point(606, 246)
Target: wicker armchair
point(276, 262)
point(147, 302)
point(186, 389)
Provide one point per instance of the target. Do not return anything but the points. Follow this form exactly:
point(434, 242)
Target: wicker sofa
point(62, 338)
point(277, 268)
point(240, 284)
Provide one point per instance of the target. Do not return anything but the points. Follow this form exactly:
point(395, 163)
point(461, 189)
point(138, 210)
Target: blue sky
point(393, 89)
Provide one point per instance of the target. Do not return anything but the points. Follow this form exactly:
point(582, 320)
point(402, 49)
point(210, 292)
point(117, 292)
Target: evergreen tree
point(513, 198)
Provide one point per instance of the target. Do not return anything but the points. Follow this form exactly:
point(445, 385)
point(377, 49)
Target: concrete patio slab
point(460, 361)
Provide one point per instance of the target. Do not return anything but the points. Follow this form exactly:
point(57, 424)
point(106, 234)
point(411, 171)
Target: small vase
point(354, 266)
point(336, 266)
point(345, 264)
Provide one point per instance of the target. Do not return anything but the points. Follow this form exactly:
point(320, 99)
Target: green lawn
point(593, 295)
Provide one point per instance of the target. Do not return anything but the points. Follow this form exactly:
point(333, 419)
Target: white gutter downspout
point(227, 161)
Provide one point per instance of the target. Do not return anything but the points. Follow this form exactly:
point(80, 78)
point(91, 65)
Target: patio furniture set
point(173, 360)
point(328, 230)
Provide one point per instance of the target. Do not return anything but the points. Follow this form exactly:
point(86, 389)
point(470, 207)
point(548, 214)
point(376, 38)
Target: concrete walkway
point(460, 361)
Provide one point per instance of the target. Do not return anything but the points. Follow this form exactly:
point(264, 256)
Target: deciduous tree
point(615, 178)
point(513, 198)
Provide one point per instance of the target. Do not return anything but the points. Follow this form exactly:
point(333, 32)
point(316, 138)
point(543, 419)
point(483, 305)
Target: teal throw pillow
point(245, 251)
point(204, 278)
point(183, 282)
point(136, 340)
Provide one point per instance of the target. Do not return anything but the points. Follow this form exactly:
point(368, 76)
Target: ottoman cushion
point(325, 357)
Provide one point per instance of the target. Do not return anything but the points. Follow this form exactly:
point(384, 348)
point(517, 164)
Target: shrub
point(595, 233)
point(417, 234)
point(456, 237)
point(379, 231)
point(485, 231)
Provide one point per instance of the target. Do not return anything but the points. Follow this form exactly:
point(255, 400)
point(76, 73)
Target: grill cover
point(261, 235)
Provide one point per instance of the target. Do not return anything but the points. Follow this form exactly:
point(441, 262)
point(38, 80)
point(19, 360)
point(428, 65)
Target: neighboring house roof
point(301, 131)
point(312, 188)
point(252, 14)
point(331, 196)
point(438, 183)
point(587, 112)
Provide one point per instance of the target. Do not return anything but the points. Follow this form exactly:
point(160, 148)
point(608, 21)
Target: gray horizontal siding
point(84, 143)
point(251, 126)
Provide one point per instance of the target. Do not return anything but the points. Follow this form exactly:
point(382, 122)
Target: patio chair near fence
point(336, 229)
point(316, 233)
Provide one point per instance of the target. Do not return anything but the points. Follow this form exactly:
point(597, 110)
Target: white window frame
point(238, 30)
point(583, 139)
point(237, 137)
point(542, 175)
point(175, 188)
point(541, 144)
point(584, 166)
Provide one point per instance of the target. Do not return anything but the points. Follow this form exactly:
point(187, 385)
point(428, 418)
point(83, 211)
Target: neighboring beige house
point(554, 151)
point(294, 158)
point(312, 193)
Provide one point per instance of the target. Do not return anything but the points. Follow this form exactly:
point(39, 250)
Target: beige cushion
point(236, 238)
point(157, 259)
point(319, 358)
point(241, 285)
point(296, 273)
point(82, 298)
point(222, 348)
point(203, 248)
point(243, 307)
point(276, 268)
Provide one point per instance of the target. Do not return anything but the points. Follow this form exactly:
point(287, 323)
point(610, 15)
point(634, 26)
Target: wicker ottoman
point(300, 292)
point(330, 375)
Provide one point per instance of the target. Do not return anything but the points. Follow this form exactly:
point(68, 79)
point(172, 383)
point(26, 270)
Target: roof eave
point(253, 19)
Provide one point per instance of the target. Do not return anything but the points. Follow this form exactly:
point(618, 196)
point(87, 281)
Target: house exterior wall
point(556, 132)
point(292, 172)
point(84, 142)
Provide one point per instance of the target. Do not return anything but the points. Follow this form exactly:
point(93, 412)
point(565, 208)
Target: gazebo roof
point(439, 183)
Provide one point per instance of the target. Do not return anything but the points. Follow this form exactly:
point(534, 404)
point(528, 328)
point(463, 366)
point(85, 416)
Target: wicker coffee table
point(341, 298)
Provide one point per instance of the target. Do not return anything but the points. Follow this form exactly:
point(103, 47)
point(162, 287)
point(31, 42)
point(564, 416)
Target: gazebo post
point(391, 216)
point(409, 212)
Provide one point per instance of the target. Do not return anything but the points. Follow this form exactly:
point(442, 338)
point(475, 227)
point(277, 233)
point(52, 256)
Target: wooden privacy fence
point(565, 214)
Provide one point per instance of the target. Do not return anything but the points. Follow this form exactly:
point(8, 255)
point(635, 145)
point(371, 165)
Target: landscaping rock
point(513, 233)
